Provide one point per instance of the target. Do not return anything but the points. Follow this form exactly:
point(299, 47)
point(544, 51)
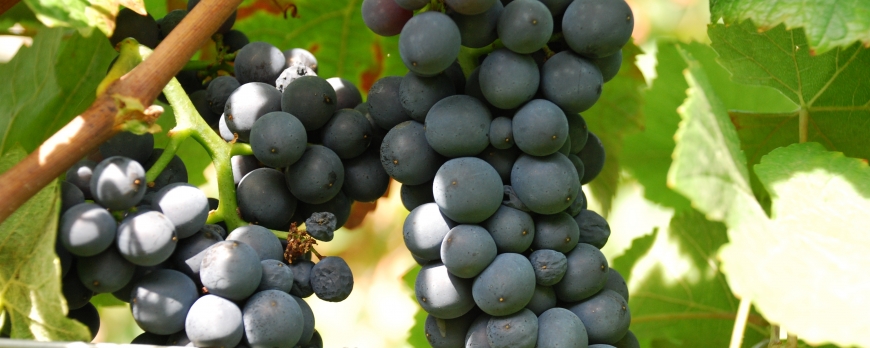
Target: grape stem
point(111, 109)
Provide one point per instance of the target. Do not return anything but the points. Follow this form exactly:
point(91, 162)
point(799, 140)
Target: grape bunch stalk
point(292, 155)
point(485, 134)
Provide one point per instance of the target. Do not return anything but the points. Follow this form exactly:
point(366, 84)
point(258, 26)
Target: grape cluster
point(492, 164)
point(187, 282)
point(192, 283)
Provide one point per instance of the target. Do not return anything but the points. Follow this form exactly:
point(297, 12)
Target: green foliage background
point(703, 153)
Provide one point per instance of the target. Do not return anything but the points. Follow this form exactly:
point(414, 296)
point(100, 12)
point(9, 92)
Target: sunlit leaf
point(29, 270)
point(828, 23)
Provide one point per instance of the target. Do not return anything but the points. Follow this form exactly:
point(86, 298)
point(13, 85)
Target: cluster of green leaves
point(717, 138)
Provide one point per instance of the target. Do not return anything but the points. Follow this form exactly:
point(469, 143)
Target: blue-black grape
point(501, 160)
point(308, 321)
point(80, 175)
point(86, 229)
point(586, 274)
point(346, 93)
point(219, 90)
point(311, 99)
point(501, 134)
point(150, 339)
point(506, 286)
point(175, 171)
point(442, 294)
point(543, 299)
point(331, 279)
point(300, 56)
point(339, 206)
point(200, 102)
point(593, 228)
point(77, 294)
point(242, 165)
point(467, 190)
point(448, 333)
point(512, 200)
point(64, 256)
point(407, 156)
point(133, 146)
point(124, 293)
point(292, 73)
point(276, 276)
point(616, 283)
point(479, 30)
point(259, 62)
point(177, 339)
point(414, 196)
point(118, 183)
point(204, 331)
point(467, 250)
point(161, 300)
point(571, 82)
point(458, 126)
point(231, 269)
point(185, 205)
point(605, 315)
point(476, 335)
point(418, 94)
point(470, 7)
point(424, 230)
point(301, 278)
point(131, 24)
point(189, 252)
point(578, 165)
point(557, 8)
point(593, 157)
point(385, 104)
point(546, 185)
point(317, 176)
point(508, 79)
point(627, 341)
point(512, 230)
point(248, 103)
point(384, 17)
point(264, 243)
point(597, 28)
point(170, 21)
point(348, 133)
point(321, 226)
point(525, 26)
point(89, 316)
point(549, 265)
point(559, 327)
point(264, 198)
point(539, 127)
point(146, 238)
point(608, 65)
point(556, 232)
point(234, 40)
point(518, 330)
point(455, 73)
point(365, 177)
point(278, 139)
point(429, 43)
point(272, 319)
point(107, 271)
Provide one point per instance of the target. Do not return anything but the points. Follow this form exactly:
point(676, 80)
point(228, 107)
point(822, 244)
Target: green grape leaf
point(83, 15)
point(828, 23)
point(647, 154)
point(49, 84)
point(18, 14)
point(30, 292)
point(332, 30)
point(813, 249)
point(829, 89)
point(618, 112)
point(676, 292)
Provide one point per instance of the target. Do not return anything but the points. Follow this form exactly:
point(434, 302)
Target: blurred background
point(381, 311)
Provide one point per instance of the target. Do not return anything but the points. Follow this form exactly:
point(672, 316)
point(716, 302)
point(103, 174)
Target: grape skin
point(184, 205)
point(118, 183)
point(278, 139)
point(429, 43)
point(146, 238)
point(86, 229)
point(161, 300)
point(204, 331)
point(467, 190)
point(272, 318)
point(231, 269)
